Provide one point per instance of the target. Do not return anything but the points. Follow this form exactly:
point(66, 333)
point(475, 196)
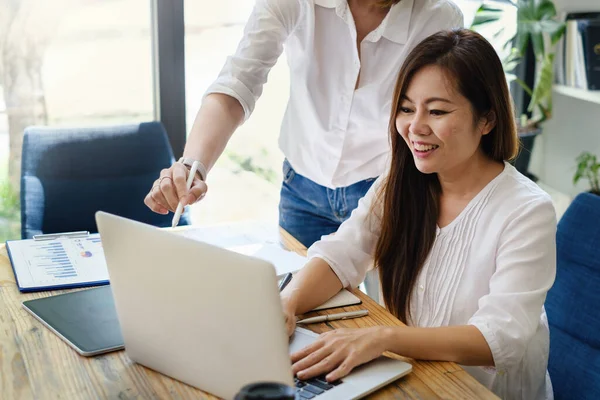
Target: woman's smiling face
point(437, 123)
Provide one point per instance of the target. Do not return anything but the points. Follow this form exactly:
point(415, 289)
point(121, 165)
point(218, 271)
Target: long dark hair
point(409, 198)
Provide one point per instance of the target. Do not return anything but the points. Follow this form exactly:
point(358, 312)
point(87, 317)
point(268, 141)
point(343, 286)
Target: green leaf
point(542, 90)
point(537, 39)
point(485, 14)
point(588, 166)
point(498, 33)
point(558, 33)
point(511, 60)
point(509, 66)
point(525, 86)
point(544, 9)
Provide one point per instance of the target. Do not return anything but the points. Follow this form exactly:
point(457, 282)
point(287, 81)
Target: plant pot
point(521, 162)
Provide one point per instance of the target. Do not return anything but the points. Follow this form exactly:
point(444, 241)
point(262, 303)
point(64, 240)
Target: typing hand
point(337, 352)
point(170, 188)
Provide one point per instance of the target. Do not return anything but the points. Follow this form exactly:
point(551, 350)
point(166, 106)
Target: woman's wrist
point(388, 337)
point(201, 172)
point(290, 304)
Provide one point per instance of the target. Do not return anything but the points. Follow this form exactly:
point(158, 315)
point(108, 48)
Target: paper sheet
point(257, 239)
point(58, 262)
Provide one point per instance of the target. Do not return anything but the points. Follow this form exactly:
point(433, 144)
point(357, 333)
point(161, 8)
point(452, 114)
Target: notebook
point(342, 299)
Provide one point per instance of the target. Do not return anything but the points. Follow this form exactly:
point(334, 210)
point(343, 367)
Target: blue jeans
point(308, 210)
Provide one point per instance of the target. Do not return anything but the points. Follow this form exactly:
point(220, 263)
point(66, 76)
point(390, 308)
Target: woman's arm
point(231, 98)
point(499, 332)
point(312, 286)
point(337, 352)
point(460, 344)
point(218, 117)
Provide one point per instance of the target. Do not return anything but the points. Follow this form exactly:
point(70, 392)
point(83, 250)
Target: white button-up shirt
point(331, 133)
point(491, 268)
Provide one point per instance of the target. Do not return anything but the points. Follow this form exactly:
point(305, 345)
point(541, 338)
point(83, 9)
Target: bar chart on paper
point(58, 262)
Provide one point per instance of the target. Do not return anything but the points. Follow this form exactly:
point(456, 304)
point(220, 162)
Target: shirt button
point(421, 287)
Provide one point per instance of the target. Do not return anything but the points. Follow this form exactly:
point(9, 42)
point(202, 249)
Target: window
point(245, 182)
point(68, 63)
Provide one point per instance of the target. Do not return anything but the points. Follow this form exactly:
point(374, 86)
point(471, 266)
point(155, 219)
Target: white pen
point(333, 317)
point(189, 185)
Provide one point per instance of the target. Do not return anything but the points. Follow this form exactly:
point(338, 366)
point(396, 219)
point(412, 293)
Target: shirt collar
point(394, 26)
point(328, 3)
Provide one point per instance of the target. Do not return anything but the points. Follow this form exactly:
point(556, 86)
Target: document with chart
point(58, 263)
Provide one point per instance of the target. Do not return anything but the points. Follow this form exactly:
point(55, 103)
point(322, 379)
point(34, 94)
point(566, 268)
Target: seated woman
point(464, 244)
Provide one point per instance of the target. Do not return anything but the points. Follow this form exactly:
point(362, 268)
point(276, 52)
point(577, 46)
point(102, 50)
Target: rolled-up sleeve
point(244, 73)
point(509, 315)
point(349, 252)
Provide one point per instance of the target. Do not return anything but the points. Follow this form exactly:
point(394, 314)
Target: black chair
point(69, 174)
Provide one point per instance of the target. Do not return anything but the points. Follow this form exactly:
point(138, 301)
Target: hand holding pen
point(172, 188)
point(180, 206)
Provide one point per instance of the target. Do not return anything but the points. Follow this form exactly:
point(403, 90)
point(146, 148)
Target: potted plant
point(588, 167)
point(537, 25)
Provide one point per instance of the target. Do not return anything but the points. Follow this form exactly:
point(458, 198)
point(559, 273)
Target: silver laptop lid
point(198, 313)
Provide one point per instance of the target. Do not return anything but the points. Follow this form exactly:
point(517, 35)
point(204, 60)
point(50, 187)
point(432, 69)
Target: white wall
point(574, 128)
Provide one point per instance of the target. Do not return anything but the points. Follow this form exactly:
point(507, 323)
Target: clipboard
point(58, 261)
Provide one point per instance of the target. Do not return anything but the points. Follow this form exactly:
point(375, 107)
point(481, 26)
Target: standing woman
point(343, 57)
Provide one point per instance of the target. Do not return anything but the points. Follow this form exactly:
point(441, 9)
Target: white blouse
point(491, 267)
point(332, 133)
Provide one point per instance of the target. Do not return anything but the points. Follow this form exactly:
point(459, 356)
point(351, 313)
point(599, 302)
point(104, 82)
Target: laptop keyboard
point(313, 387)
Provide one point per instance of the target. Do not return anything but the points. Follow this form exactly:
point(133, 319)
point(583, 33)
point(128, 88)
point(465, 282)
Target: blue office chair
point(573, 303)
point(69, 174)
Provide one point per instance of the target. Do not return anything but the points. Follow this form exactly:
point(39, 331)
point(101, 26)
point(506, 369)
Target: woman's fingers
point(153, 204)
point(179, 173)
point(311, 359)
point(300, 354)
point(325, 365)
point(337, 353)
point(171, 188)
point(196, 192)
point(342, 370)
point(168, 190)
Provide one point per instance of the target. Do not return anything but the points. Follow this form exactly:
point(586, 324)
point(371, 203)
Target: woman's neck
point(469, 178)
point(367, 6)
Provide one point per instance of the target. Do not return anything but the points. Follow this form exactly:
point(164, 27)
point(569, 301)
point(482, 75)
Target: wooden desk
point(35, 363)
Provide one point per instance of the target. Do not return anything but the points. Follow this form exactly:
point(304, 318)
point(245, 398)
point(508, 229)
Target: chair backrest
point(573, 303)
point(69, 174)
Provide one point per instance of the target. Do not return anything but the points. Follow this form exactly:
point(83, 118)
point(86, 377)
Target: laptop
point(210, 317)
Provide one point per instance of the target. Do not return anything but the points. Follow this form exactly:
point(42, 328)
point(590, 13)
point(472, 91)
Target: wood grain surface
point(36, 364)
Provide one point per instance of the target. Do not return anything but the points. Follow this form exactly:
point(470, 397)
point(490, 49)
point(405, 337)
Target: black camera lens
point(266, 391)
